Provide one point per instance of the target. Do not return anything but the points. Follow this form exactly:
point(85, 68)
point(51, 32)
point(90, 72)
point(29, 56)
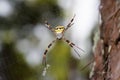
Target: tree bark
point(107, 51)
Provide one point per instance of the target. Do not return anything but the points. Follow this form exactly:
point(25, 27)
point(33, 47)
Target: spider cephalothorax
point(59, 32)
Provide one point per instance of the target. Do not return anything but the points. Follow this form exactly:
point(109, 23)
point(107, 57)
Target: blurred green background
point(24, 38)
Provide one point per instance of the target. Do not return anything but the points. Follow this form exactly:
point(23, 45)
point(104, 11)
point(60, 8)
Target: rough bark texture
point(107, 51)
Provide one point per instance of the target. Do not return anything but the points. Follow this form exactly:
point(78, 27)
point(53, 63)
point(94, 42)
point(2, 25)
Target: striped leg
point(70, 23)
point(44, 55)
point(73, 45)
point(48, 26)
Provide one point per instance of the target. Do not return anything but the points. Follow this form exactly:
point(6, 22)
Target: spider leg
point(73, 45)
point(70, 23)
point(44, 55)
point(48, 26)
point(91, 61)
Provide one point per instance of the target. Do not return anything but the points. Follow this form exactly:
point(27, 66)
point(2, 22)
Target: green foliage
point(14, 65)
point(47, 2)
point(17, 26)
point(30, 14)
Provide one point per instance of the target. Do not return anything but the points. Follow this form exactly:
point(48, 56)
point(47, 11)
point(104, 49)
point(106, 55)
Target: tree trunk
point(107, 51)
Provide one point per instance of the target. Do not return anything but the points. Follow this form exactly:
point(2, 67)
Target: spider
point(59, 32)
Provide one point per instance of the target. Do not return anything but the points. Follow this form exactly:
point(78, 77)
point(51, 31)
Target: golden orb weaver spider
point(59, 32)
